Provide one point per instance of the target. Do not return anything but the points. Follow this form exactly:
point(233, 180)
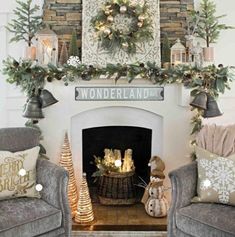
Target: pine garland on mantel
point(31, 77)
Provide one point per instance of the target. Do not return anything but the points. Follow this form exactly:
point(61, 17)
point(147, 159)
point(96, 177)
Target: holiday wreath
point(122, 24)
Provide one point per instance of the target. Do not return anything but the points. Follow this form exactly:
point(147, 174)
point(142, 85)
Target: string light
point(22, 172)
point(39, 187)
point(118, 163)
point(84, 212)
point(67, 163)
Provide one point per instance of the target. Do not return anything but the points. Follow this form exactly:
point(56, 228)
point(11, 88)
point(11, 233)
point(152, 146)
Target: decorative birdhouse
point(178, 53)
point(47, 47)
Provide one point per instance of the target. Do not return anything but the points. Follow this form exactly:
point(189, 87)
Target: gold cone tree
point(84, 212)
point(67, 163)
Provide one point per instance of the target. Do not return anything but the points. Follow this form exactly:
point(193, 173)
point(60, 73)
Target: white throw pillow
point(18, 173)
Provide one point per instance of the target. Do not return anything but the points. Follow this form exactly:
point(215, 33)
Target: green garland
point(31, 77)
point(114, 36)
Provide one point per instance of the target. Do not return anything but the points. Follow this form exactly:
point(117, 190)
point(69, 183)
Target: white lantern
point(178, 53)
point(47, 47)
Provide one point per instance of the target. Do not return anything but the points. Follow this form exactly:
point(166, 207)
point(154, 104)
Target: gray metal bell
point(47, 98)
point(212, 108)
point(200, 101)
point(33, 108)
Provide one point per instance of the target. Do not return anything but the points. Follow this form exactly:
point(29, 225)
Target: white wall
point(226, 45)
point(224, 53)
point(11, 100)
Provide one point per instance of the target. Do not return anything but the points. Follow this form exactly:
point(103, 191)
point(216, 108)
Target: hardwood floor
point(118, 234)
point(123, 218)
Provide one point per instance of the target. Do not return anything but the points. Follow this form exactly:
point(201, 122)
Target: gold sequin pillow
point(18, 173)
point(216, 178)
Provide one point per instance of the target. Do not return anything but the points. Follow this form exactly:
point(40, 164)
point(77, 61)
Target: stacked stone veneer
point(65, 15)
point(173, 17)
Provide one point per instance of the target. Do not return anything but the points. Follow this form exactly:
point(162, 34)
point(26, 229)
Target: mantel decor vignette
point(206, 82)
point(211, 79)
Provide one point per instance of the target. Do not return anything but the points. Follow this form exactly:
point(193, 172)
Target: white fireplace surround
point(114, 116)
point(169, 121)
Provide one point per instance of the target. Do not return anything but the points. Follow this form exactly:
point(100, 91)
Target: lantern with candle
point(178, 53)
point(47, 47)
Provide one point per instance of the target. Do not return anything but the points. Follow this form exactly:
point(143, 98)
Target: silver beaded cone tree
point(67, 163)
point(84, 212)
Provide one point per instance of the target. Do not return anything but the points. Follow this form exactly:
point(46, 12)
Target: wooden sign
point(118, 93)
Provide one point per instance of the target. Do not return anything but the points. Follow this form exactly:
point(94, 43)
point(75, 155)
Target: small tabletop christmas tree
point(208, 27)
point(84, 212)
point(73, 47)
point(26, 23)
point(67, 163)
point(63, 54)
point(166, 50)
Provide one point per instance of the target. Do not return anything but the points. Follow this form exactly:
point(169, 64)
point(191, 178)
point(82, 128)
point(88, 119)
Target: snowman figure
point(156, 205)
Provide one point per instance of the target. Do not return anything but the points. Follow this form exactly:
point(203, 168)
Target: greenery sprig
point(25, 74)
point(103, 167)
point(121, 25)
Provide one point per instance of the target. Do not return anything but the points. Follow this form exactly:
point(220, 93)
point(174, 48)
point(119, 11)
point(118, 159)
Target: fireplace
point(87, 117)
point(115, 127)
point(95, 140)
point(122, 128)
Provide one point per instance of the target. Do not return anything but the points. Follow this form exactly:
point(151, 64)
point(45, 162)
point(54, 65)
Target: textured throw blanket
point(219, 140)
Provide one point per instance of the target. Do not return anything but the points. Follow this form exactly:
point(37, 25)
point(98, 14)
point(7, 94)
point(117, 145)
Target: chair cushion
point(27, 217)
point(210, 220)
point(18, 139)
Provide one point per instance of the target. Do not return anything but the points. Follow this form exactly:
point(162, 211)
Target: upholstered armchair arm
point(54, 180)
point(184, 186)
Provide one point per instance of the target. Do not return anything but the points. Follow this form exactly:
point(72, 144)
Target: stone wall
point(63, 16)
point(66, 15)
point(173, 17)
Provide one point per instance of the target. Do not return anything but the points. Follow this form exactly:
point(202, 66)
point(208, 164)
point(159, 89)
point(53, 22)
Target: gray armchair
point(198, 219)
point(27, 217)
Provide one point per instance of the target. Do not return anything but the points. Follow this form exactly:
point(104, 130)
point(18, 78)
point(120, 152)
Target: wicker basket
point(117, 189)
